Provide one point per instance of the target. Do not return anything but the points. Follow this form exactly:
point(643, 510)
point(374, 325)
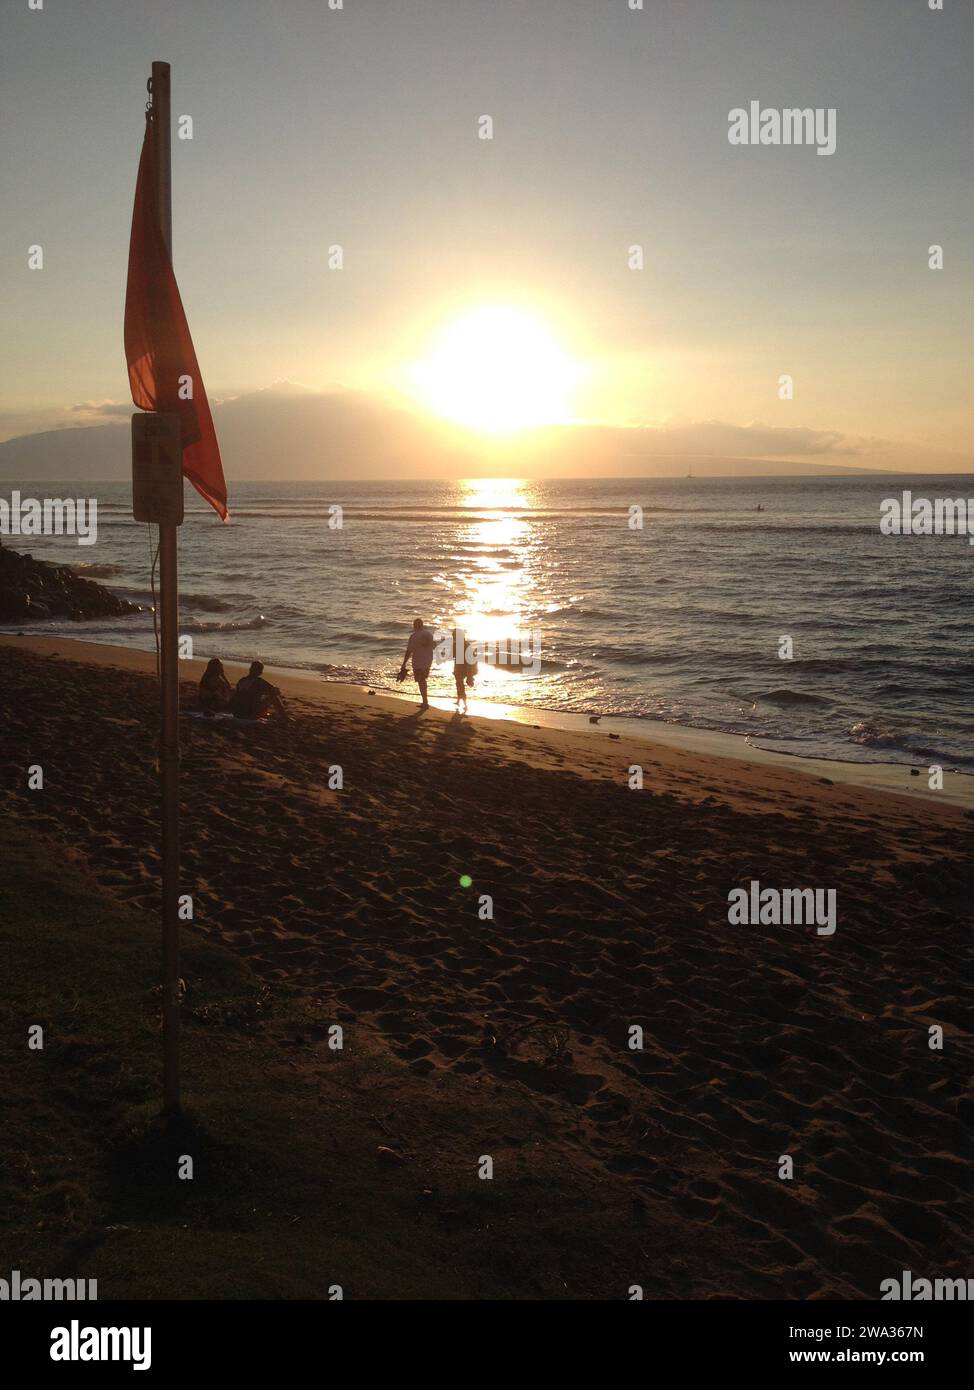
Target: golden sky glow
point(491, 286)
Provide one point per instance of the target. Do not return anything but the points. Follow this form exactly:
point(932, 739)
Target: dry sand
point(609, 910)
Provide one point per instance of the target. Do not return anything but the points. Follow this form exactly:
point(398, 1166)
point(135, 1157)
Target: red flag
point(158, 347)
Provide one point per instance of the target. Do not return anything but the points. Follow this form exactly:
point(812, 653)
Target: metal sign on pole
point(157, 468)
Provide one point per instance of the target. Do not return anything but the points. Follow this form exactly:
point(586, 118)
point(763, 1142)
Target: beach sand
point(609, 911)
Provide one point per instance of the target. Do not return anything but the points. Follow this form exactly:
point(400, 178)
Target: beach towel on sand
point(226, 719)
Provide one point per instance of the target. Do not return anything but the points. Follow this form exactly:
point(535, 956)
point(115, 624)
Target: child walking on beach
point(464, 671)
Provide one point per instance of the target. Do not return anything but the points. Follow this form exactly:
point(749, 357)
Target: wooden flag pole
point(169, 663)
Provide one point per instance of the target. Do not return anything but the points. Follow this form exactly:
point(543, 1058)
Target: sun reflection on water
point(496, 593)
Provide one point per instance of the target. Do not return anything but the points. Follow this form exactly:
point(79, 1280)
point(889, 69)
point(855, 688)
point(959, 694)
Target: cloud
point(756, 440)
point(287, 430)
point(98, 409)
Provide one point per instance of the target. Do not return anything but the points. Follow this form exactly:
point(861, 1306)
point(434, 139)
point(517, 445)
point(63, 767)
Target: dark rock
point(39, 591)
point(14, 605)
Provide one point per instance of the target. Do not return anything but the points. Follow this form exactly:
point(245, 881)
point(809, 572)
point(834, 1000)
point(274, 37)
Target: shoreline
point(889, 779)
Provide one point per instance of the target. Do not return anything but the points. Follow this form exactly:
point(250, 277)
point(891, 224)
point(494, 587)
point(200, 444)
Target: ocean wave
point(209, 603)
point(318, 512)
point(461, 515)
point(97, 570)
point(728, 615)
point(246, 625)
point(784, 696)
point(475, 548)
point(576, 610)
point(923, 689)
point(639, 656)
point(869, 734)
point(834, 665)
point(800, 527)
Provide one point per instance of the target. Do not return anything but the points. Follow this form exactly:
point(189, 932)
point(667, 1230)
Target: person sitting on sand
point(215, 690)
point(420, 648)
point(254, 698)
point(464, 671)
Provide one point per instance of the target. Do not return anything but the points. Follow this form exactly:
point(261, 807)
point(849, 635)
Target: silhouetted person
point(420, 648)
point(464, 671)
point(254, 698)
point(215, 689)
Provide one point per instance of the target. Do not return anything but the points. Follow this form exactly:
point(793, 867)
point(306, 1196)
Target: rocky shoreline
point(35, 590)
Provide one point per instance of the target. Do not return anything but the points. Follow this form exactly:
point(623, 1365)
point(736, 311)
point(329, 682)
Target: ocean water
point(680, 621)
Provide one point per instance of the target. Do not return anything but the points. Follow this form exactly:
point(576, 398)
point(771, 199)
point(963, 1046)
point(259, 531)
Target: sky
point(486, 279)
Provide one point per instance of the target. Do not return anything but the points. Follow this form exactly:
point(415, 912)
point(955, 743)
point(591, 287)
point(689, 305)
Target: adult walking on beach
point(420, 649)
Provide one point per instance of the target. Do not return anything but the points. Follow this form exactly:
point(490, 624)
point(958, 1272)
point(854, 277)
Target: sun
point(498, 369)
